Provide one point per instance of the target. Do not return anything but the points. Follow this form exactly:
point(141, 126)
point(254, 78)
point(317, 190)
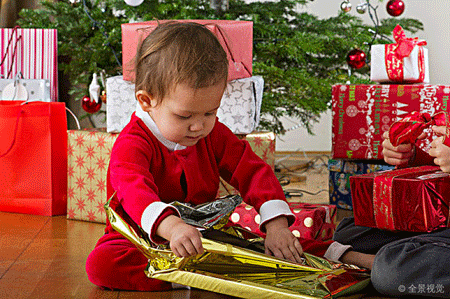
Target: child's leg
point(365, 239)
point(414, 266)
point(115, 263)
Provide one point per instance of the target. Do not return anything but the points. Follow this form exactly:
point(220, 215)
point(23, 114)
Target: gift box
point(263, 144)
point(406, 61)
point(412, 199)
point(340, 171)
point(240, 106)
point(32, 53)
point(236, 37)
point(239, 109)
point(88, 154)
point(25, 90)
point(362, 113)
point(313, 221)
point(120, 104)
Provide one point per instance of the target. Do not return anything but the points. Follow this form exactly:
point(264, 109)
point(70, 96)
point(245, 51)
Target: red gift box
point(412, 199)
point(236, 37)
point(313, 221)
point(362, 113)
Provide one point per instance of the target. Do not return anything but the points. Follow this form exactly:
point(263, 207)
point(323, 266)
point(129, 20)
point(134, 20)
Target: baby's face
point(187, 115)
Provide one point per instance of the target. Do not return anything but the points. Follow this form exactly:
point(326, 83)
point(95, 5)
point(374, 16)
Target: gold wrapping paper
point(235, 271)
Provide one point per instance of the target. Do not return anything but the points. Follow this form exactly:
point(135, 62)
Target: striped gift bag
point(32, 52)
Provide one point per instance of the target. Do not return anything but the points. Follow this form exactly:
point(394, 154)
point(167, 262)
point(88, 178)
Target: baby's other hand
point(280, 242)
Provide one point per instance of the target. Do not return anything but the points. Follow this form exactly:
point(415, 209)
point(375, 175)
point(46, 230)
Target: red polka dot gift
point(313, 221)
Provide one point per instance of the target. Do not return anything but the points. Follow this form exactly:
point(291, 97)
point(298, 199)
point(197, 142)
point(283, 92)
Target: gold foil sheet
point(244, 273)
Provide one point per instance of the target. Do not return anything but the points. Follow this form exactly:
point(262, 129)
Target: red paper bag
point(32, 52)
point(236, 37)
point(33, 158)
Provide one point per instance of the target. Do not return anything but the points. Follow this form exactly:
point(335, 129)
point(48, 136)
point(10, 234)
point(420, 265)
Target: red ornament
point(90, 106)
point(356, 58)
point(395, 7)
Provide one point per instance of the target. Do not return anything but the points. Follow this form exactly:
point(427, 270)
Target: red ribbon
point(409, 128)
point(394, 54)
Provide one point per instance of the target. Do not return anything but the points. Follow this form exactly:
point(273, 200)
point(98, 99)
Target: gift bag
point(33, 157)
point(32, 52)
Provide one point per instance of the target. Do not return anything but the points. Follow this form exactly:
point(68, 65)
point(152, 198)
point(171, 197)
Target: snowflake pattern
point(88, 162)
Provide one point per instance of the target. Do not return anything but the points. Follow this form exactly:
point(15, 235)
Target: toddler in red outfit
point(175, 149)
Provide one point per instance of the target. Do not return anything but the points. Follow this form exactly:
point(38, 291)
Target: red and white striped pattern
point(35, 56)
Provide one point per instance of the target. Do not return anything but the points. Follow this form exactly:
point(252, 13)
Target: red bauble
point(356, 59)
point(395, 7)
point(90, 106)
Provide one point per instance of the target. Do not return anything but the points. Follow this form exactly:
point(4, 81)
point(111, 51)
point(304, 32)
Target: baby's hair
point(179, 53)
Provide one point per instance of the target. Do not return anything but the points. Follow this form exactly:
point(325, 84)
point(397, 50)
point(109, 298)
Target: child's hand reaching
point(185, 240)
point(280, 242)
point(440, 151)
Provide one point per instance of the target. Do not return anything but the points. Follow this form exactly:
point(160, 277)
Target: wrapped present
point(340, 171)
point(240, 106)
point(25, 90)
point(88, 158)
point(362, 113)
point(226, 267)
point(31, 52)
point(236, 37)
point(263, 144)
point(406, 61)
point(313, 221)
point(121, 103)
point(411, 199)
point(239, 109)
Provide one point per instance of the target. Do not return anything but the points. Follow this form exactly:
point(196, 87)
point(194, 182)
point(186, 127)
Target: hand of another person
point(399, 155)
point(280, 242)
point(185, 240)
point(440, 151)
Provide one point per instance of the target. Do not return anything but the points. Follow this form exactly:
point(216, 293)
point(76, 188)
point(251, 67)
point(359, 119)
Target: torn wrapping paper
point(228, 269)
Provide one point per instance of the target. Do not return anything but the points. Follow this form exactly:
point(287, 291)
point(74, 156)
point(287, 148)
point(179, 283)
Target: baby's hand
point(185, 240)
point(280, 242)
point(396, 155)
point(440, 151)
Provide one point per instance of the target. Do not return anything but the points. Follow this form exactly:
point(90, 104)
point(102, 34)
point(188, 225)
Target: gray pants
point(406, 264)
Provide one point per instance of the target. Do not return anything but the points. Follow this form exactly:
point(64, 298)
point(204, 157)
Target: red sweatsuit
point(145, 173)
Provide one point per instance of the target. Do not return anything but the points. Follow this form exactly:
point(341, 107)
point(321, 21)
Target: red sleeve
point(129, 172)
point(243, 169)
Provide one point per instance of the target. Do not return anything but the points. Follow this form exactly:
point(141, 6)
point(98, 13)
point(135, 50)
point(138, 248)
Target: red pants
point(116, 263)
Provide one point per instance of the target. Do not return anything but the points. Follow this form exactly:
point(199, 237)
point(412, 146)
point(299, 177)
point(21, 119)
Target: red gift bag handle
point(19, 38)
point(17, 127)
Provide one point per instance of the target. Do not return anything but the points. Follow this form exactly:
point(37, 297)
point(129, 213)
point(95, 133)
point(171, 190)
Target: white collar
point(151, 125)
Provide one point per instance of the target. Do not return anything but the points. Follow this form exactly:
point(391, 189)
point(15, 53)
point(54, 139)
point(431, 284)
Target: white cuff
point(152, 213)
point(335, 251)
point(272, 209)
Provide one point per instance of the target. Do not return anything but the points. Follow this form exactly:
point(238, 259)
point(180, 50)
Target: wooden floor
point(44, 257)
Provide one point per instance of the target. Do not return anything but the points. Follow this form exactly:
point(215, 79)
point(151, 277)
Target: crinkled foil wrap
point(244, 273)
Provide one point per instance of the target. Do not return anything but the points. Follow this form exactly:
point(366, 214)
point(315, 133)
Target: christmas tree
point(299, 55)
